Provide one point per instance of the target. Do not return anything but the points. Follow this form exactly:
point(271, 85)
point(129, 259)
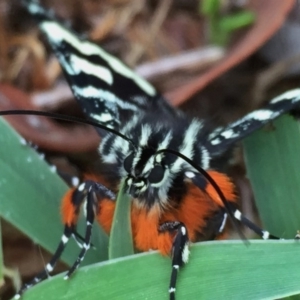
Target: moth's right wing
point(107, 90)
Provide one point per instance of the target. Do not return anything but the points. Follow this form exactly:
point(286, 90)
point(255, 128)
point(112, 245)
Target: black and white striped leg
point(201, 180)
point(80, 240)
point(230, 208)
point(68, 231)
point(180, 250)
point(90, 216)
point(89, 190)
point(85, 193)
point(71, 180)
point(264, 234)
point(297, 236)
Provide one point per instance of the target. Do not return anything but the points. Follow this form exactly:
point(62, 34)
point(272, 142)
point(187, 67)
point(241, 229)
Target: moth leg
point(264, 234)
point(228, 190)
point(86, 193)
point(180, 250)
point(79, 239)
point(94, 193)
point(71, 204)
point(72, 181)
point(297, 236)
point(50, 266)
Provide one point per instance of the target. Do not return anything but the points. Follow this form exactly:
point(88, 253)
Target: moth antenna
point(214, 185)
point(66, 118)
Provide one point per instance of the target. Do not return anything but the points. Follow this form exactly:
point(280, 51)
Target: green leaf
point(209, 7)
point(217, 270)
point(273, 167)
point(31, 193)
point(236, 21)
point(220, 25)
point(120, 241)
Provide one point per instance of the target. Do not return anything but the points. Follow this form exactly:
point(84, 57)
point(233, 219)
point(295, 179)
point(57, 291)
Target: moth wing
point(108, 91)
point(221, 139)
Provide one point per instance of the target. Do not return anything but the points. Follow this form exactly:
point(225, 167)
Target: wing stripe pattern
point(105, 88)
point(222, 138)
point(60, 36)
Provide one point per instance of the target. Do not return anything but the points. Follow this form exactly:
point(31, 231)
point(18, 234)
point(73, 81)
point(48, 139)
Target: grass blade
point(120, 242)
point(30, 194)
point(217, 270)
point(273, 164)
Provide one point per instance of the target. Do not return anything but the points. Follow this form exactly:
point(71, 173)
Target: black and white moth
point(113, 95)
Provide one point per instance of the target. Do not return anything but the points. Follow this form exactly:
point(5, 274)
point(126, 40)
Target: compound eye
point(157, 174)
point(128, 163)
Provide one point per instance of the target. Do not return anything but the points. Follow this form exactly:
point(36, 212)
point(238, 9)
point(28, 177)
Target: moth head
point(146, 173)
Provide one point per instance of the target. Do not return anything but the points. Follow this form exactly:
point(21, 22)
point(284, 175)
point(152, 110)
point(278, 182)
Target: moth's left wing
point(222, 139)
point(108, 91)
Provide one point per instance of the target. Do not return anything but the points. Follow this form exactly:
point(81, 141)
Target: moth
point(167, 160)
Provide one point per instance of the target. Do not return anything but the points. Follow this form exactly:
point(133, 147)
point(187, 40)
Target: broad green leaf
point(31, 193)
point(217, 270)
point(120, 241)
point(273, 167)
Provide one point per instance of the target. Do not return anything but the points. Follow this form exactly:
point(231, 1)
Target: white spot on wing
point(260, 115)
point(102, 117)
point(287, 95)
point(229, 134)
